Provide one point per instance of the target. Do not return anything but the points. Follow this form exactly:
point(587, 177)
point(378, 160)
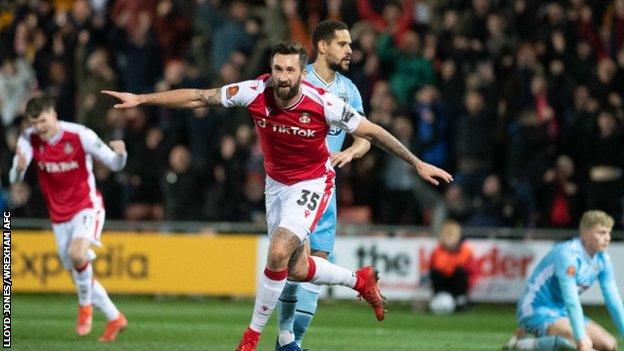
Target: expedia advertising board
point(143, 263)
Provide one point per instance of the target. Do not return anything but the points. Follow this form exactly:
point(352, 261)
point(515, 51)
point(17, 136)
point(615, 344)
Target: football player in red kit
point(63, 154)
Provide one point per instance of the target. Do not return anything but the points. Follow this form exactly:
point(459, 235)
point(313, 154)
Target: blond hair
point(595, 217)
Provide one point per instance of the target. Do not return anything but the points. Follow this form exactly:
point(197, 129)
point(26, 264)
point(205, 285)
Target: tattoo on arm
point(392, 145)
point(200, 95)
point(209, 97)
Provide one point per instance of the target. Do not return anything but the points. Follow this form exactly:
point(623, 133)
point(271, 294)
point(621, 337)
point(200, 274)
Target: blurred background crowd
point(522, 100)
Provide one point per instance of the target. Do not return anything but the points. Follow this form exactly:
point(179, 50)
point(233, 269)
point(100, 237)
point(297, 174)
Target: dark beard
point(288, 95)
point(336, 66)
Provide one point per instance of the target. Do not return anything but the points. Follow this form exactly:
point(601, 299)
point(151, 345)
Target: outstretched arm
point(181, 98)
point(382, 138)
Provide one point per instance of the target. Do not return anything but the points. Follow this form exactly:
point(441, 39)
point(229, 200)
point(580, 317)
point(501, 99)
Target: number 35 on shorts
point(309, 198)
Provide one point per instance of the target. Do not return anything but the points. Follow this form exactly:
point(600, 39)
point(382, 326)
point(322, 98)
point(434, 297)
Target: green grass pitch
point(46, 322)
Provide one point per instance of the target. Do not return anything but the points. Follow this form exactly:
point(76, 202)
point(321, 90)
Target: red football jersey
point(65, 168)
point(293, 139)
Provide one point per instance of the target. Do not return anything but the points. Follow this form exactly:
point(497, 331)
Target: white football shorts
point(298, 207)
point(86, 224)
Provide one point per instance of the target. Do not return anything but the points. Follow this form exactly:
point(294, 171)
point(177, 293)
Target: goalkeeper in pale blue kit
point(332, 44)
point(550, 309)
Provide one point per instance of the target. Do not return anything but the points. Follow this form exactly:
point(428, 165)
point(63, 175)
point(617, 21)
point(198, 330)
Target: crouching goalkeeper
point(550, 315)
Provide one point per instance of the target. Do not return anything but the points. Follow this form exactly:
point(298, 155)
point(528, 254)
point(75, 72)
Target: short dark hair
point(39, 104)
point(326, 31)
point(290, 48)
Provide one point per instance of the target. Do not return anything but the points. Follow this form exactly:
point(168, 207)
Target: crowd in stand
point(522, 100)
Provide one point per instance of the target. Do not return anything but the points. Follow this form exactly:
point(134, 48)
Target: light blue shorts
point(324, 235)
point(542, 317)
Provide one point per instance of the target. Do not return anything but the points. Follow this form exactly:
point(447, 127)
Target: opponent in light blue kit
point(323, 237)
point(550, 307)
point(298, 301)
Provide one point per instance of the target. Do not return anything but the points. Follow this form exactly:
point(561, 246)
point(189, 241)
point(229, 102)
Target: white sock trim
point(285, 337)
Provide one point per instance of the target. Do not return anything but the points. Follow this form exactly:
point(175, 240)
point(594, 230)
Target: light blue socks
point(308, 301)
point(296, 307)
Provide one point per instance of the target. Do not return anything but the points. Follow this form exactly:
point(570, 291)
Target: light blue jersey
point(344, 88)
point(553, 289)
point(323, 236)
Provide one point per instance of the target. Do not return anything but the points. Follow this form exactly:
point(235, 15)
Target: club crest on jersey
point(68, 148)
point(305, 118)
point(231, 91)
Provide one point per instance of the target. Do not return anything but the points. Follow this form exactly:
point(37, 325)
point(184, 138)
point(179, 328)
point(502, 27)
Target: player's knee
point(78, 257)
point(278, 256)
point(78, 261)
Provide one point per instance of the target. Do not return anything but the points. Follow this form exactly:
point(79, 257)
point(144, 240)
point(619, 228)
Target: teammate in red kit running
point(62, 152)
point(293, 118)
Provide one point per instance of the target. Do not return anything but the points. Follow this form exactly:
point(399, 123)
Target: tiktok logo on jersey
point(284, 129)
point(57, 167)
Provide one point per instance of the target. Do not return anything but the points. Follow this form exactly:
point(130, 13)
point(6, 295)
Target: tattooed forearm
point(183, 98)
point(201, 97)
point(386, 141)
point(208, 97)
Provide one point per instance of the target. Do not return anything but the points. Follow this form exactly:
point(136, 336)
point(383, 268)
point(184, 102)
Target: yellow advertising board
point(150, 263)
